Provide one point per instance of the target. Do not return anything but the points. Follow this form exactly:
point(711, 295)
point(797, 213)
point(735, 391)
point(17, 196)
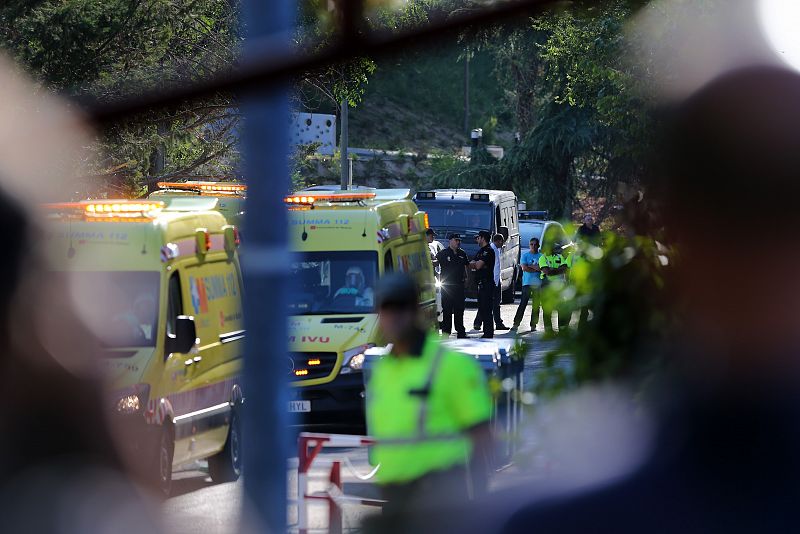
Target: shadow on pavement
point(188, 482)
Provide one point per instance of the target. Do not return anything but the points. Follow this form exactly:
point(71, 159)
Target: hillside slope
point(416, 102)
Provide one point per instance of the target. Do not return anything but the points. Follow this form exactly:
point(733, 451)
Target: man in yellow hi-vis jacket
point(428, 409)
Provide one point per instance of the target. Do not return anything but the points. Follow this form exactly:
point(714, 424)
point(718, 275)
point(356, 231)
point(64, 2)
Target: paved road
point(201, 507)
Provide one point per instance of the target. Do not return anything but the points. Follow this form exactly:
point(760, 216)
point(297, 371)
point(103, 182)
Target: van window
point(388, 265)
point(174, 302)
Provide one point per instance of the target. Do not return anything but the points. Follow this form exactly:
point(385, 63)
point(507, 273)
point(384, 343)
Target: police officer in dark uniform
point(483, 265)
point(453, 262)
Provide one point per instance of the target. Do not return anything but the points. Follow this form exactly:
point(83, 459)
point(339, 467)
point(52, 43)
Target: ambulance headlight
point(356, 362)
point(438, 284)
point(354, 359)
point(129, 404)
point(132, 400)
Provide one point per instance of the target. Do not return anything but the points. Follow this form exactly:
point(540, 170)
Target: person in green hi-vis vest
point(553, 267)
point(428, 408)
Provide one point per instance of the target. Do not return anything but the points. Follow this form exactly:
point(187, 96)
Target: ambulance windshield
point(333, 283)
point(123, 310)
point(458, 216)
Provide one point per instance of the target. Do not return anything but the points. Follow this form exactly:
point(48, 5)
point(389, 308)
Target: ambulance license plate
point(299, 406)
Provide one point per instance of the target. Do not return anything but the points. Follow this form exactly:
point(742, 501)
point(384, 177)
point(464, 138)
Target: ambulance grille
point(304, 361)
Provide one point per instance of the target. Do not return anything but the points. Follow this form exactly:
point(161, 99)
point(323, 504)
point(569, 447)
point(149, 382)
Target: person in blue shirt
point(531, 284)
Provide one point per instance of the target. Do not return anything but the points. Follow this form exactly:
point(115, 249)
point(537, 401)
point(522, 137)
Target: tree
point(578, 102)
point(111, 49)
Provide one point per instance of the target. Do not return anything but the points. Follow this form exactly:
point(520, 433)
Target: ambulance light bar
point(109, 209)
point(205, 187)
point(310, 199)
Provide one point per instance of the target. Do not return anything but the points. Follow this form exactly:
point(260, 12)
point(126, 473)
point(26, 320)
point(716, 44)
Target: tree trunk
point(158, 157)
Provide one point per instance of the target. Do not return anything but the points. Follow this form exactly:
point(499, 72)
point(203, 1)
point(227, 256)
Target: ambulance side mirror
point(185, 336)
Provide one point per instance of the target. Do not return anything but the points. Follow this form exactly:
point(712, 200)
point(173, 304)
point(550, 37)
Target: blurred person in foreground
point(726, 456)
point(428, 408)
point(59, 471)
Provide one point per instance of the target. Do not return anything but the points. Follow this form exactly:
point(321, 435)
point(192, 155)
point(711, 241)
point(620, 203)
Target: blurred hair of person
point(724, 458)
point(59, 469)
point(57, 451)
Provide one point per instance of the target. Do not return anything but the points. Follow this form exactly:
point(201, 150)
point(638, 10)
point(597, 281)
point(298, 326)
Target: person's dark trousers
point(497, 297)
point(584, 317)
point(415, 505)
point(453, 311)
point(547, 308)
point(564, 313)
point(485, 305)
point(532, 294)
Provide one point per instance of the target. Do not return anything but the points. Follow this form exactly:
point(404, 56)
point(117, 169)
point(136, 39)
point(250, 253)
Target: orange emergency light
point(310, 198)
point(205, 187)
point(110, 210)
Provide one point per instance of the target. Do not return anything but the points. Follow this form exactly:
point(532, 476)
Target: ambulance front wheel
point(163, 460)
point(226, 465)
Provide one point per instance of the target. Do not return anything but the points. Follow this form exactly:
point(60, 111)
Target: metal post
point(343, 142)
point(334, 512)
point(466, 92)
point(265, 142)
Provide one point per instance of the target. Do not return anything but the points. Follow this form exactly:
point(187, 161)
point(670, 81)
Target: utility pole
point(266, 275)
point(466, 92)
point(347, 179)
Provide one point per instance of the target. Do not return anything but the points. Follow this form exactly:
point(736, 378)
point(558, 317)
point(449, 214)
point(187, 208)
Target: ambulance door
point(213, 289)
point(177, 370)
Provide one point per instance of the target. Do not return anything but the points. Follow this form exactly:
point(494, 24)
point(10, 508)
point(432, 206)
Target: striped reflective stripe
point(205, 411)
point(422, 421)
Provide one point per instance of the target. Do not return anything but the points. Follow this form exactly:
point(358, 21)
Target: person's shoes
point(487, 337)
point(515, 328)
point(501, 327)
point(461, 335)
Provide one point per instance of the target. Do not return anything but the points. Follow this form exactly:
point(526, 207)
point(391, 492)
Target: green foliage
point(301, 166)
point(110, 49)
point(317, 30)
point(624, 283)
point(578, 103)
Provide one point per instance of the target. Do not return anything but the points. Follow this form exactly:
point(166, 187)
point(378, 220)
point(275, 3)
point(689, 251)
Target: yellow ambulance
point(160, 286)
point(230, 195)
point(342, 243)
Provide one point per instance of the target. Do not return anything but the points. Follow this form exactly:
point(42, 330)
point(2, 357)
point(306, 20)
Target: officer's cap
point(486, 234)
point(397, 290)
point(430, 231)
point(452, 235)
